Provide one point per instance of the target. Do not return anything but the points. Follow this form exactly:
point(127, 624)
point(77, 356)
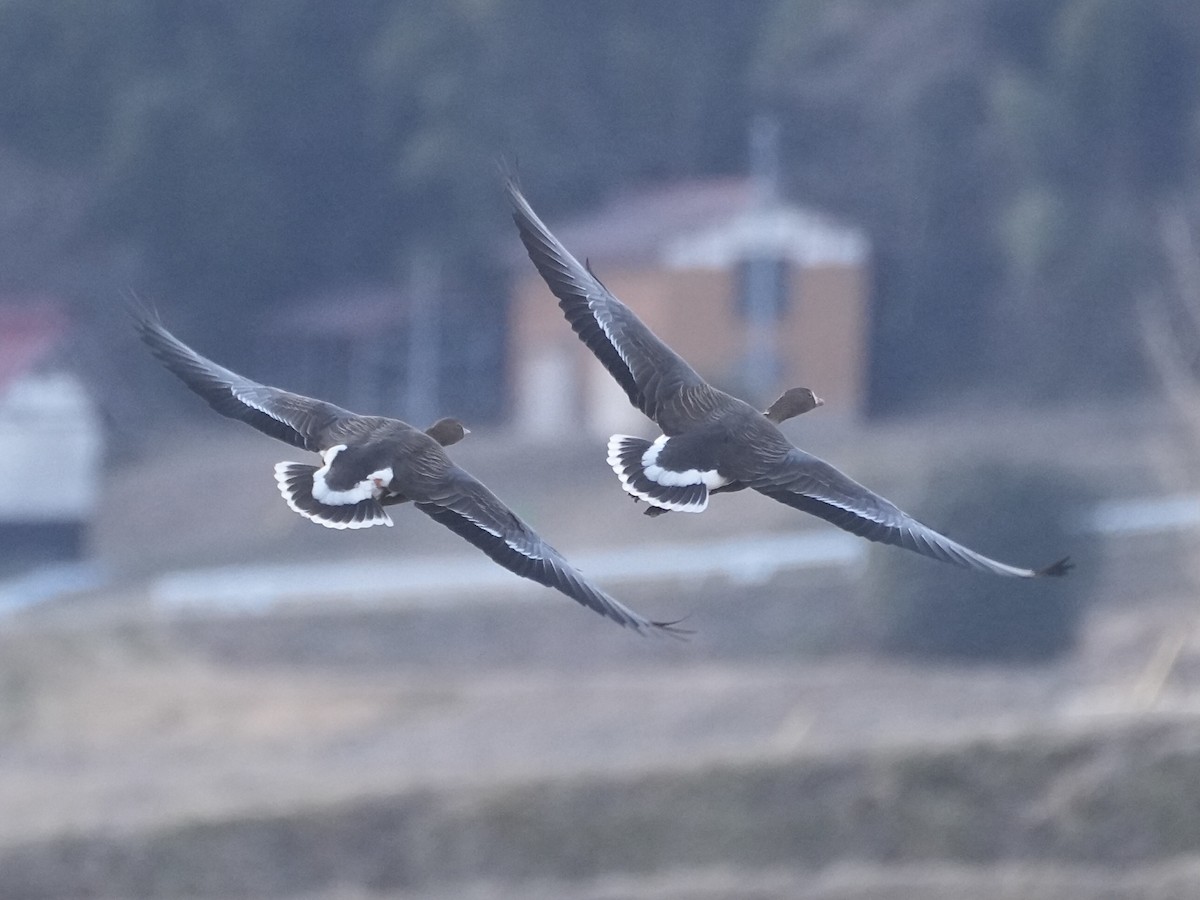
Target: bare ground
point(529, 749)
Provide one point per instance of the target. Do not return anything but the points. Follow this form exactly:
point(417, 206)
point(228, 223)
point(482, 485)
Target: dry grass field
point(514, 746)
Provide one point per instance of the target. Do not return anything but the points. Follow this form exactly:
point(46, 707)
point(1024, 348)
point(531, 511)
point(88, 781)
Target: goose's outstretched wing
point(649, 371)
point(814, 486)
point(471, 511)
point(298, 420)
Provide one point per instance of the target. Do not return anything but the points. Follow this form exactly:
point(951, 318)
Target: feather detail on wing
point(645, 367)
point(812, 485)
point(295, 419)
point(474, 513)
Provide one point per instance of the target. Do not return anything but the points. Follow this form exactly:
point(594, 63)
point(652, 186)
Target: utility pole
point(424, 341)
point(763, 272)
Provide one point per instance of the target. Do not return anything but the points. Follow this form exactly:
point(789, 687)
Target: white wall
point(50, 450)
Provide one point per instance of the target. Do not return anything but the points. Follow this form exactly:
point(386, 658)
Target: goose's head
point(791, 403)
point(447, 431)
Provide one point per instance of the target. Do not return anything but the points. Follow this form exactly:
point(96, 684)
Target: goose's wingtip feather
point(1056, 569)
point(671, 630)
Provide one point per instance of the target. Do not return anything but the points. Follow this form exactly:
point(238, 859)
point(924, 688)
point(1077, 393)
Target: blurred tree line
point(1006, 156)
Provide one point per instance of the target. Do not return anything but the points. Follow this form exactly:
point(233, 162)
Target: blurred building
point(50, 438)
point(419, 350)
point(758, 294)
point(348, 346)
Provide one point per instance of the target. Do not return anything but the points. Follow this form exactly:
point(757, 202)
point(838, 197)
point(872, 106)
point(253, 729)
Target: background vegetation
point(1007, 157)
point(1015, 511)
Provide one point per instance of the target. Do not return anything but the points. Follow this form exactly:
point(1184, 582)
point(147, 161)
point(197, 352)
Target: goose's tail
point(629, 457)
point(295, 482)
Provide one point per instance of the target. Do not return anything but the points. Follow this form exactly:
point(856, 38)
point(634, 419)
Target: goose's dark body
point(712, 441)
point(371, 462)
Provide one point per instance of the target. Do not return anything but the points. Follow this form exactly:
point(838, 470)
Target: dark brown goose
point(370, 462)
point(710, 440)
point(791, 403)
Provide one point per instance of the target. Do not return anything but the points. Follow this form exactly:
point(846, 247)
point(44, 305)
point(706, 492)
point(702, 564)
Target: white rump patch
point(294, 483)
point(370, 488)
point(710, 478)
point(634, 473)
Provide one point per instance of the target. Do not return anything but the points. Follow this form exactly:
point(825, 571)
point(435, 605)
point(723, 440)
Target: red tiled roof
point(29, 330)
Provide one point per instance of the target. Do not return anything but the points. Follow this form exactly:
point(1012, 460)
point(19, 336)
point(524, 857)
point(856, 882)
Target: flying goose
point(792, 402)
point(369, 462)
point(712, 441)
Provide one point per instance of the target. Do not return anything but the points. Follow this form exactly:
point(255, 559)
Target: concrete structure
point(50, 440)
point(700, 263)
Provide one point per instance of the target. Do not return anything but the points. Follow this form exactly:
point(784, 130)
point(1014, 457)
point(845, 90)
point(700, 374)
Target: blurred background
point(970, 225)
